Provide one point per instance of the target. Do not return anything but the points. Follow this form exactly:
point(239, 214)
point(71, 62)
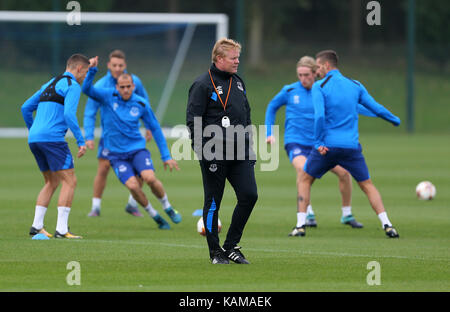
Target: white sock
point(384, 219)
point(63, 218)
point(309, 210)
point(164, 201)
point(151, 211)
point(39, 214)
point(346, 211)
point(301, 218)
point(96, 203)
point(132, 202)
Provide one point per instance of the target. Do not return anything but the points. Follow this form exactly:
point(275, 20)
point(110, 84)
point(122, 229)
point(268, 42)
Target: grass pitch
point(120, 252)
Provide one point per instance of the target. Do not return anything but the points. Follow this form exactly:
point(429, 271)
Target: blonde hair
point(307, 61)
point(222, 46)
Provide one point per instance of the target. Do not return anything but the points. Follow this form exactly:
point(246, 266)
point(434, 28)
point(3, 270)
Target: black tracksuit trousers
point(241, 175)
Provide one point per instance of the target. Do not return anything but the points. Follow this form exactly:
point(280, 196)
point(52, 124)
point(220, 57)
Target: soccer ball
point(425, 190)
point(201, 227)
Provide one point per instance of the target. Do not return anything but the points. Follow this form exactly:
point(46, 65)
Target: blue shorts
point(53, 156)
point(294, 149)
point(102, 151)
point(127, 165)
point(350, 159)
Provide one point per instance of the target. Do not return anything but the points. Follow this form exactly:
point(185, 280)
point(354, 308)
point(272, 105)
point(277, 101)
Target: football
point(425, 190)
point(201, 227)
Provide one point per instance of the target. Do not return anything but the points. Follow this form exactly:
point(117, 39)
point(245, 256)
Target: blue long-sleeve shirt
point(335, 99)
point(121, 132)
point(299, 121)
point(53, 119)
point(92, 106)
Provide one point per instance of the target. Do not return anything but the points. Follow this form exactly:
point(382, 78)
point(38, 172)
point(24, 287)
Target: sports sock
point(346, 211)
point(384, 219)
point(301, 218)
point(309, 210)
point(132, 202)
point(96, 203)
point(164, 201)
point(151, 211)
point(63, 218)
point(39, 214)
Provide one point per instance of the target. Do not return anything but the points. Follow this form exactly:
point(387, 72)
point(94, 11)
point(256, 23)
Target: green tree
point(433, 30)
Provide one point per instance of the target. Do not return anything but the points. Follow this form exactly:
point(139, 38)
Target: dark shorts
point(102, 151)
point(294, 149)
point(53, 156)
point(127, 165)
point(351, 159)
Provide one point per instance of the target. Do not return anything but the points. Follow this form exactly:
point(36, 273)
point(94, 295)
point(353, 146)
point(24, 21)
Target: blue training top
point(335, 99)
point(121, 132)
point(299, 123)
point(92, 106)
point(52, 118)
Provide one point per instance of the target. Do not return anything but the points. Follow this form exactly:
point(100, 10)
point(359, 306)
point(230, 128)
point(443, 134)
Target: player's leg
point(127, 175)
point(213, 177)
point(143, 164)
point(353, 160)
point(299, 162)
point(100, 180)
point(345, 187)
point(377, 205)
point(135, 188)
point(298, 154)
point(51, 183)
point(241, 175)
point(132, 204)
point(68, 185)
point(315, 167)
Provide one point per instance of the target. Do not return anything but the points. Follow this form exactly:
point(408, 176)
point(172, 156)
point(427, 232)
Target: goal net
point(166, 51)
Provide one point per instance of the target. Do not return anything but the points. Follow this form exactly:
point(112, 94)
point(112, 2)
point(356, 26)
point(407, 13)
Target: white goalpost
point(220, 21)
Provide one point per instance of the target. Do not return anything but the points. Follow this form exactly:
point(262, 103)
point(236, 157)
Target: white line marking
point(295, 251)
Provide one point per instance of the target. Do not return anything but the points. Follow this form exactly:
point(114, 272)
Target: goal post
point(221, 20)
point(186, 25)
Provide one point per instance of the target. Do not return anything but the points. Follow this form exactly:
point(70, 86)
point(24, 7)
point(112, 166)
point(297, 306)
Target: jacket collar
point(217, 72)
point(332, 72)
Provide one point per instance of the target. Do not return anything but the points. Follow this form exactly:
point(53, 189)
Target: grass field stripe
point(308, 252)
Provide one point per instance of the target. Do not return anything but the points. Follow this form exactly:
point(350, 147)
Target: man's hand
point(172, 164)
point(90, 144)
point(323, 150)
point(270, 139)
point(93, 62)
point(148, 135)
point(81, 151)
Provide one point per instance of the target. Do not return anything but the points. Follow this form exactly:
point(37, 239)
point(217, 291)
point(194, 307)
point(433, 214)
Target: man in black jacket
point(218, 108)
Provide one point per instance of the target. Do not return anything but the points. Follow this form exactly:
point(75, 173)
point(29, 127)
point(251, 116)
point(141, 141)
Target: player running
point(336, 99)
point(122, 109)
point(56, 108)
point(299, 137)
point(116, 66)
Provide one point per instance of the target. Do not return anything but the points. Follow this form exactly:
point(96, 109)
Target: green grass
point(124, 253)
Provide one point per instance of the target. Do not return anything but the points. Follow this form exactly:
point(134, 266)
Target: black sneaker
point(218, 257)
point(236, 255)
point(391, 232)
point(34, 231)
point(298, 231)
point(350, 220)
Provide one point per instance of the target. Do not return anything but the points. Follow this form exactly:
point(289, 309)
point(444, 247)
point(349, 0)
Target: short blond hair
point(307, 61)
point(222, 46)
